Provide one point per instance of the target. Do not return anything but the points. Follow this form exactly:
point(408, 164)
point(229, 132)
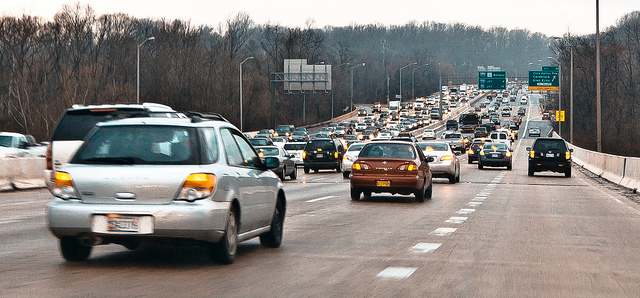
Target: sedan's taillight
point(197, 186)
point(48, 157)
point(409, 167)
point(532, 154)
point(567, 155)
point(62, 186)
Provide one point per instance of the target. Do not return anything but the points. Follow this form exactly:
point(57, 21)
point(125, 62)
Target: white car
point(523, 100)
point(429, 134)
point(404, 113)
point(445, 164)
point(296, 148)
point(279, 141)
point(500, 137)
point(349, 157)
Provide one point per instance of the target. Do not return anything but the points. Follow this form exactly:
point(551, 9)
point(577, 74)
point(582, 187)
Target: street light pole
point(352, 67)
point(347, 63)
point(559, 94)
point(243, 61)
point(598, 95)
point(401, 68)
point(413, 77)
point(138, 69)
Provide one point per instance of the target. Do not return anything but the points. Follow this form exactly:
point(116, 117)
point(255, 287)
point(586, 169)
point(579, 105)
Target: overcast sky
point(551, 17)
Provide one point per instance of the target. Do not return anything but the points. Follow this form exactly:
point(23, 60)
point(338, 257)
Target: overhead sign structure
point(492, 80)
point(299, 76)
point(546, 80)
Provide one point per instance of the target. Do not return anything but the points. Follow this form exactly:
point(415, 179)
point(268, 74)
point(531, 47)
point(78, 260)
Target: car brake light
point(567, 155)
point(471, 151)
point(532, 154)
point(410, 168)
point(508, 154)
point(197, 186)
point(481, 152)
point(335, 154)
point(304, 154)
point(446, 157)
point(63, 179)
point(62, 186)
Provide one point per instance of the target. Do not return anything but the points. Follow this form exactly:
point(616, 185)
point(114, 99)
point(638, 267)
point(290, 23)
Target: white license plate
point(495, 155)
point(122, 224)
point(551, 155)
point(319, 155)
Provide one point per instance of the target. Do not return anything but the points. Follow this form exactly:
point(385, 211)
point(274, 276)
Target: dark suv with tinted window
point(550, 154)
point(323, 153)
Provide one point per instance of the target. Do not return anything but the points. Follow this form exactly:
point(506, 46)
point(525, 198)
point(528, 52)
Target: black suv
point(323, 153)
point(550, 154)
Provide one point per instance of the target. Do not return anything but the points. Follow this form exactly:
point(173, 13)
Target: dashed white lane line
point(479, 198)
point(465, 211)
point(443, 231)
point(8, 221)
point(320, 199)
point(397, 272)
point(424, 248)
point(474, 203)
point(456, 220)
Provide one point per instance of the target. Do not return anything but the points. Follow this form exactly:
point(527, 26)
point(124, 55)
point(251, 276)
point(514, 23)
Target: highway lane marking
point(456, 220)
point(484, 194)
point(397, 272)
point(8, 221)
point(465, 211)
point(443, 231)
point(20, 203)
point(424, 248)
point(610, 196)
point(479, 198)
point(320, 199)
point(474, 203)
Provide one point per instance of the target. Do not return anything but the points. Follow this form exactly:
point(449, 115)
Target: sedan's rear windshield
point(290, 146)
point(320, 144)
point(270, 151)
point(388, 151)
point(137, 144)
point(434, 146)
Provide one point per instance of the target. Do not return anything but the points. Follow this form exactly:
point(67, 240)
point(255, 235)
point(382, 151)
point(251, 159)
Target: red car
point(545, 116)
point(395, 167)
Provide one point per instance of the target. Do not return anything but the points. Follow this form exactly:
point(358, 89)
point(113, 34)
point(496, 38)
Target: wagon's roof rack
point(198, 117)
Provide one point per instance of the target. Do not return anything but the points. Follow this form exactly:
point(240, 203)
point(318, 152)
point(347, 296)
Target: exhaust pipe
point(90, 240)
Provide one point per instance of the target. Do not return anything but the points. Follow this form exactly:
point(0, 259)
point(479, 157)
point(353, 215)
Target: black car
point(323, 153)
point(452, 125)
point(474, 150)
point(495, 155)
point(550, 154)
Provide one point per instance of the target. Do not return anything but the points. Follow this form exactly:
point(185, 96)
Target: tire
point(225, 250)
point(469, 161)
point(452, 179)
point(428, 194)
point(531, 172)
point(74, 251)
point(567, 173)
point(355, 194)
point(345, 174)
point(509, 167)
point(306, 170)
point(315, 170)
point(282, 173)
point(339, 168)
point(480, 166)
point(458, 177)
point(420, 193)
point(294, 174)
point(273, 238)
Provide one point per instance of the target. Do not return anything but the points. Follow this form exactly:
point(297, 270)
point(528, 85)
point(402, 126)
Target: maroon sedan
point(391, 167)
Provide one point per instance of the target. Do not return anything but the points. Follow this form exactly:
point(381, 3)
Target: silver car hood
point(128, 184)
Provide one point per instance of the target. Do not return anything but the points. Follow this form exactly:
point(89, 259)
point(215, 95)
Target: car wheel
point(509, 167)
point(469, 161)
point(283, 173)
point(480, 166)
point(429, 193)
point(315, 170)
point(345, 174)
point(420, 193)
point(452, 179)
point(355, 194)
point(74, 251)
point(294, 174)
point(458, 177)
point(273, 238)
point(226, 249)
point(306, 170)
point(567, 173)
point(531, 172)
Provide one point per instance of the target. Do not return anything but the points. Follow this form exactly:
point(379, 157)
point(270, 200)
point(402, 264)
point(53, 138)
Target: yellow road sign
point(560, 116)
point(544, 88)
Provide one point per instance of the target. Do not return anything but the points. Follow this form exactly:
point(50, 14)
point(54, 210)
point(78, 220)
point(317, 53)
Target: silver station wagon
point(189, 181)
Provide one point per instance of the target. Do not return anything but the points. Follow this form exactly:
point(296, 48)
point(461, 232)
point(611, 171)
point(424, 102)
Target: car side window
point(210, 145)
point(249, 156)
point(234, 156)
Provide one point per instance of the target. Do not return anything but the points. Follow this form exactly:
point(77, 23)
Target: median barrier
point(631, 177)
point(22, 173)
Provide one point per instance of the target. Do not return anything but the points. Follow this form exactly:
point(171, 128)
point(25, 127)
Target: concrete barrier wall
point(22, 173)
point(624, 171)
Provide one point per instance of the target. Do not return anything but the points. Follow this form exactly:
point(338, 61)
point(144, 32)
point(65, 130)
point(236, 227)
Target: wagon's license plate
point(383, 183)
point(495, 155)
point(551, 155)
point(319, 155)
point(122, 224)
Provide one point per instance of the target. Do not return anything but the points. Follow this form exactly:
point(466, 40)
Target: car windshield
point(495, 146)
point(387, 150)
point(320, 144)
point(291, 146)
point(268, 151)
point(453, 136)
point(299, 133)
point(433, 146)
point(259, 142)
point(5, 141)
point(549, 145)
point(137, 144)
point(356, 147)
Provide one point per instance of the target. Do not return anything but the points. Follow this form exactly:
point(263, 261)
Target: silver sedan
point(446, 163)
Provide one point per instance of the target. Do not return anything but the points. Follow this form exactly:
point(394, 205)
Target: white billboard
point(299, 76)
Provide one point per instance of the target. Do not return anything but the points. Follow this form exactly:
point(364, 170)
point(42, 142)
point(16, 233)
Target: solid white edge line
point(320, 199)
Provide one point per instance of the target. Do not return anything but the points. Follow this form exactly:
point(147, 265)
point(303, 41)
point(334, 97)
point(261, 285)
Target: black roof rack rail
point(205, 116)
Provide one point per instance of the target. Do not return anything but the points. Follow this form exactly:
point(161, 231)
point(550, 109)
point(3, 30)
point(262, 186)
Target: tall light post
point(413, 77)
point(570, 89)
point(243, 61)
point(352, 67)
point(559, 93)
point(401, 68)
point(598, 95)
point(347, 63)
point(138, 68)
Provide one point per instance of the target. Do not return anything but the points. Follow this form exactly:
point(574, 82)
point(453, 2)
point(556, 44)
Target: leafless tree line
point(81, 58)
point(620, 87)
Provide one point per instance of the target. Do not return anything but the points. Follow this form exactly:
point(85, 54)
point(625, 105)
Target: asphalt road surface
point(497, 233)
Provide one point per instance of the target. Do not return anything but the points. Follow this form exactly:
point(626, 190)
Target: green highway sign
point(550, 68)
point(492, 80)
point(544, 80)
